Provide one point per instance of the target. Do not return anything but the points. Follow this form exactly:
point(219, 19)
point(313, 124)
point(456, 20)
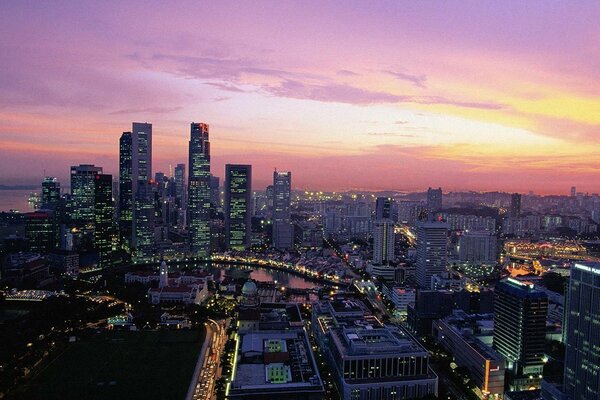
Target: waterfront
point(16, 200)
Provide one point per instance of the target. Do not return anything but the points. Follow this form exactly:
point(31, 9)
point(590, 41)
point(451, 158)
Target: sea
point(16, 200)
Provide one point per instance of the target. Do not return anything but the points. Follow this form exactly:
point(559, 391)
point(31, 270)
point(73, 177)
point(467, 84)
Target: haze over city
point(369, 95)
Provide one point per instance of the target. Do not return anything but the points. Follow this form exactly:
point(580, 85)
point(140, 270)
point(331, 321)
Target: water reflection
point(258, 274)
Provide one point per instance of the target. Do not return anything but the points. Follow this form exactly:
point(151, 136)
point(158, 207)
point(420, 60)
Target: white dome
point(249, 288)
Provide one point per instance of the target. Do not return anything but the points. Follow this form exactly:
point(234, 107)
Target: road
point(208, 368)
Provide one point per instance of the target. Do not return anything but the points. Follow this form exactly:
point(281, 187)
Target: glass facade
point(104, 211)
point(125, 189)
point(283, 233)
point(238, 192)
point(582, 339)
point(199, 191)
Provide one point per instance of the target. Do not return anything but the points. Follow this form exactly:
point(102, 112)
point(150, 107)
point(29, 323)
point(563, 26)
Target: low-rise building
point(464, 336)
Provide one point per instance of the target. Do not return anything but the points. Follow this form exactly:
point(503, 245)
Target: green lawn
point(119, 365)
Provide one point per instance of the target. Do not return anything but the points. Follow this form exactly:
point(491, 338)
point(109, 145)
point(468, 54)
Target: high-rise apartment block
point(432, 249)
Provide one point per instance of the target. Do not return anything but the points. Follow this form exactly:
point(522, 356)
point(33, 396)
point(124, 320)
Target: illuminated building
point(41, 231)
point(582, 339)
point(434, 200)
point(237, 206)
point(383, 249)
point(520, 313)
point(466, 337)
point(141, 154)
point(143, 222)
point(527, 249)
point(369, 360)
point(104, 235)
point(82, 193)
point(125, 190)
point(199, 190)
point(50, 193)
point(432, 248)
point(142, 190)
point(283, 232)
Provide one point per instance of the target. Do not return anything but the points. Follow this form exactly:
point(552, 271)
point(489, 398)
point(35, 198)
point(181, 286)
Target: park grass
point(119, 365)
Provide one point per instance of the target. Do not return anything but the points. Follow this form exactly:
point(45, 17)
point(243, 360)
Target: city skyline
point(396, 96)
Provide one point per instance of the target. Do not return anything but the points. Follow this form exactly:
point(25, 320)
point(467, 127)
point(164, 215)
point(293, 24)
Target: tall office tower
point(180, 185)
point(582, 339)
point(82, 193)
point(50, 193)
point(125, 190)
point(141, 154)
point(143, 221)
point(519, 330)
point(199, 191)
point(573, 191)
point(432, 248)
point(383, 242)
point(237, 206)
point(383, 208)
point(477, 247)
point(283, 230)
point(104, 213)
point(215, 193)
point(143, 197)
point(515, 205)
point(434, 200)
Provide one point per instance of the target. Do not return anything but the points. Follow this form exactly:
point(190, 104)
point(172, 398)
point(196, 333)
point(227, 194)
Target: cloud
point(148, 110)
point(345, 72)
point(417, 80)
point(396, 134)
point(343, 93)
point(228, 87)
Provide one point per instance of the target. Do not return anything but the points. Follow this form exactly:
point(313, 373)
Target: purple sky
point(374, 95)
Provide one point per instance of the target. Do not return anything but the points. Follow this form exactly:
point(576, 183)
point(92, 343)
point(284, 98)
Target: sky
point(375, 95)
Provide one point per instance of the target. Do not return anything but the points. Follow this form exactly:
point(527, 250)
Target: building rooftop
point(274, 361)
point(369, 340)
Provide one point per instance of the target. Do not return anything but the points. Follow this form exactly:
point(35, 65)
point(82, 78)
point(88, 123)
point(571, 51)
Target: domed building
point(249, 295)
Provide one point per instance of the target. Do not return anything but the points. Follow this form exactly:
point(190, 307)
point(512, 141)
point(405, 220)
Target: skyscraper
point(237, 206)
point(519, 330)
point(283, 232)
point(82, 194)
point(515, 205)
point(434, 200)
point(50, 193)
point(199, 190)
point(143, 221)
point(104, 234)
point(432, 248)
point(573, 191)
point(141, 154)
point(125, 190)
point(383, 242)
point(143, 198)
point(180, 185)
point(582, 339)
